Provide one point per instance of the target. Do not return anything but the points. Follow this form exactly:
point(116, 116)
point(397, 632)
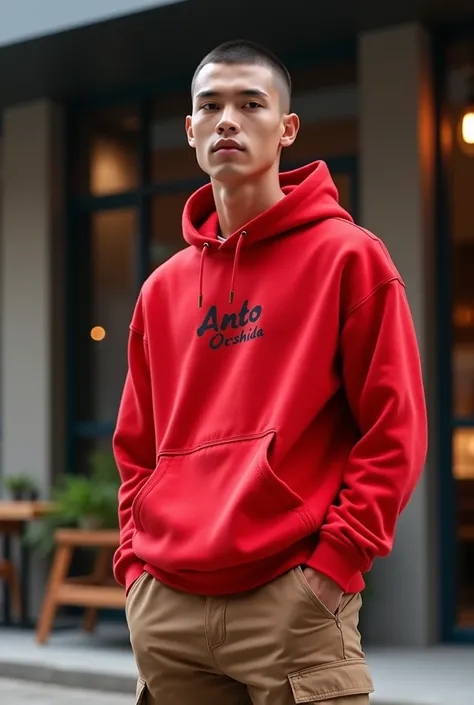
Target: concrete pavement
point(24, 693)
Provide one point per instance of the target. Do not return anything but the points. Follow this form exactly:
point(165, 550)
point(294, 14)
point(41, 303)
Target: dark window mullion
point(168, 188)
point(143, 234)
point(463, 422)
point(117, 201)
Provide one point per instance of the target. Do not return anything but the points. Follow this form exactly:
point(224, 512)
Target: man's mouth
point(228, 145)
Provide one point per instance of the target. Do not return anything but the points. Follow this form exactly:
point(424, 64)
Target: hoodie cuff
point(132, 573)
point(337, 561)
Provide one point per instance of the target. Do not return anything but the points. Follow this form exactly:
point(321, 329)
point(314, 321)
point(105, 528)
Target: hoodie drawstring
point(243, 234)
point(205, 248)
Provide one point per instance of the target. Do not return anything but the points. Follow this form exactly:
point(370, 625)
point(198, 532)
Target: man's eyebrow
point(248, 92)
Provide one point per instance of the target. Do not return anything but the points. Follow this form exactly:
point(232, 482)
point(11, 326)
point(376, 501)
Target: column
point(32, 293)
point(397, 146)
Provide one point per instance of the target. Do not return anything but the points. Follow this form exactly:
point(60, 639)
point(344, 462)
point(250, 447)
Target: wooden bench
point(95, 591)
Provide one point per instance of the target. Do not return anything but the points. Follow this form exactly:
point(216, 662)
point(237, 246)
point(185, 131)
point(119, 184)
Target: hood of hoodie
point(310, 196)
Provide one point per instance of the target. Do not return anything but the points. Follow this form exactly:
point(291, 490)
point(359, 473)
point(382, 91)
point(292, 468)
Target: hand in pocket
point(325, 589)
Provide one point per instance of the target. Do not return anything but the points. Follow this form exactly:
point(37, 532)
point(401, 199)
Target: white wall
point(25, 19)
point(31, 367)
point(397, 202)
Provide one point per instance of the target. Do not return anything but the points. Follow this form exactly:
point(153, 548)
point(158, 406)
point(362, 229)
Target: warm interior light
point(97, 333)
point(464, 316)
point(467, 127)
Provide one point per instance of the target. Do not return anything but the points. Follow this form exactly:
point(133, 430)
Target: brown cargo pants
point(277, 645)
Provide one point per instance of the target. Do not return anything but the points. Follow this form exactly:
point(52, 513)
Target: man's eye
point(253, 105)
point(209, 106)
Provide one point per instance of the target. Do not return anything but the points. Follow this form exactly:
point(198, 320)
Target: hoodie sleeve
point(134, 447)
point(383, 383)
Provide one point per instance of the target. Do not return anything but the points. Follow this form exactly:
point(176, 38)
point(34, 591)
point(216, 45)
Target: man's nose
point(228, 123)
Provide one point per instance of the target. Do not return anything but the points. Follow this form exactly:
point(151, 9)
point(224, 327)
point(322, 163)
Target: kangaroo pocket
point(216, 506)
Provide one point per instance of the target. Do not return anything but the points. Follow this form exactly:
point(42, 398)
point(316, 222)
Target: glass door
point(105, 290)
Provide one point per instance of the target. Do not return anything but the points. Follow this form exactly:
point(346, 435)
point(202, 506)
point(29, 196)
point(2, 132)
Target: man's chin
point(229, 174)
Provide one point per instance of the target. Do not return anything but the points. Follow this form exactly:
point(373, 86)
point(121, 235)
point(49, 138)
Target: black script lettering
point(243, 320)
point(209, 323)
point(216, 341)
point(229, 319)
point(255, 314)
point(219, 340)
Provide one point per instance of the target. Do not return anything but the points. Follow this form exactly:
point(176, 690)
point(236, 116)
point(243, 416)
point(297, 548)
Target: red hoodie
point(284, 424)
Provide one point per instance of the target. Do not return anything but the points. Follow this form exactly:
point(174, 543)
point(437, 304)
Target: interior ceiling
point(163, 45)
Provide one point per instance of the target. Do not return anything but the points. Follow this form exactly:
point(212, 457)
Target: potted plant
point(86, 501)
point(21, 487)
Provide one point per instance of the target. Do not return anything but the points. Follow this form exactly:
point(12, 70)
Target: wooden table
point(14, 517)
point(23, 511)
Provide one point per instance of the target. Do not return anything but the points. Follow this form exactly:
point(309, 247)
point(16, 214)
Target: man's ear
point(291, 126)
point(189, 132)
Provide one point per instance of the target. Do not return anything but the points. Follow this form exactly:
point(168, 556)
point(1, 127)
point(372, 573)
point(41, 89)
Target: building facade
point(95, 170)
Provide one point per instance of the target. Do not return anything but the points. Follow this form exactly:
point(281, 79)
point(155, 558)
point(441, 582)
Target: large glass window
point(326, 102)
point(107, 151)
point(113, 285)
point(103, 275)
point(166, 230)
point(171, 158)
point(460, 181)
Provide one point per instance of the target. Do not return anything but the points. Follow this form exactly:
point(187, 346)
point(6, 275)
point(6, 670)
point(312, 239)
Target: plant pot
point(90, 523)
point(17, 495)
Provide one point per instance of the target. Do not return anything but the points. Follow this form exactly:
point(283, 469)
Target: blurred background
point(94, 173)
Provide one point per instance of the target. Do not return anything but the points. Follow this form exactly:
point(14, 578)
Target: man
point(273, 423)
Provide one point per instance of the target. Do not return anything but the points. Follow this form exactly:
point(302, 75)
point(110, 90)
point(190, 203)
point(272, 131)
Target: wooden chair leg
point(15, 592)
point(101, 571)
point(9, 574)
point(59, 570)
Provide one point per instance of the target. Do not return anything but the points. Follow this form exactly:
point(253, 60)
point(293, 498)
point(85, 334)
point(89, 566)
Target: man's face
point(239, 124)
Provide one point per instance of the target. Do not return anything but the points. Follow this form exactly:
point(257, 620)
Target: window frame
point(446, 422)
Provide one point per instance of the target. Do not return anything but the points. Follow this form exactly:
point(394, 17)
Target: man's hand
point(325, 589)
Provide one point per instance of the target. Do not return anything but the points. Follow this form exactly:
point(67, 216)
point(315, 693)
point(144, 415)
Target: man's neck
point(237, 206)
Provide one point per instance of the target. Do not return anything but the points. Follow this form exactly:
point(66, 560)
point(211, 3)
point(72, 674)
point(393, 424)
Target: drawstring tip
point(200, 301)
point(231, 297)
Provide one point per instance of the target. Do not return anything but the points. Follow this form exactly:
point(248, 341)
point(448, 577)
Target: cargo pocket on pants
point(141, 692)
point(331, 680)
